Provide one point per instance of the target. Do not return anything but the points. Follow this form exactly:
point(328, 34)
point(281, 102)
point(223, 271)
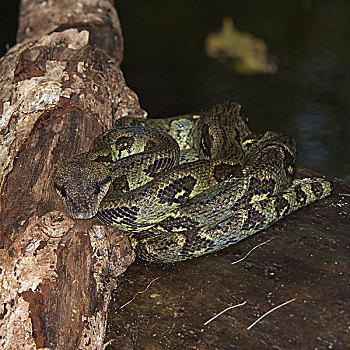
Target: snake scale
point(188, 185)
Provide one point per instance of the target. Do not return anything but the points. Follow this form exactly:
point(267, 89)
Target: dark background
point(166, 64)
point(8, 24)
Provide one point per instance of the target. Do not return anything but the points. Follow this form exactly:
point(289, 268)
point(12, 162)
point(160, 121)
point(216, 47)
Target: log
point(60, 87)
point(304, 259)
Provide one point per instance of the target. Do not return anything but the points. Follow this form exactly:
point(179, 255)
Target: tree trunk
point(60, 87)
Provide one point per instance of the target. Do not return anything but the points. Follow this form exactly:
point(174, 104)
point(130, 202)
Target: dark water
point(308, 98)
point(8, 24)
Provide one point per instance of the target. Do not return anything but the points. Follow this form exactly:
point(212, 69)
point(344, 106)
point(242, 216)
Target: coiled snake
point(218, 184)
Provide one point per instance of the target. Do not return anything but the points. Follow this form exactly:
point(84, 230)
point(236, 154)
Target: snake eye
point(97, 189)
point(101, 185)
point(63, 192)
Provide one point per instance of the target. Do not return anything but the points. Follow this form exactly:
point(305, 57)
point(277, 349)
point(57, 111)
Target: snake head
point(82, 184)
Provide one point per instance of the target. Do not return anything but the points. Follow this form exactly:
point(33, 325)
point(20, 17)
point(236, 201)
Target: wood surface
point(304, 259)
point(60, 87)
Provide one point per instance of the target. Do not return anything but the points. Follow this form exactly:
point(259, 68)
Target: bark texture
point(60, 87)
point(39, 17)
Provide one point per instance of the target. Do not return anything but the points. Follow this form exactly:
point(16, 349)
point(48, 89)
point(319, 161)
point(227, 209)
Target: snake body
point(186, 186)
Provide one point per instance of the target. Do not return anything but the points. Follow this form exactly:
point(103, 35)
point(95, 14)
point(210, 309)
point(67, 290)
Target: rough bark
point(60, 87)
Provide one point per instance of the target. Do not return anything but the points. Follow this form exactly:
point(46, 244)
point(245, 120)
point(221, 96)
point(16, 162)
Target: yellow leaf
point(248, 54)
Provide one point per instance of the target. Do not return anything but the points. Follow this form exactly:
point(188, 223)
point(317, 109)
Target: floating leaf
point(248, 54)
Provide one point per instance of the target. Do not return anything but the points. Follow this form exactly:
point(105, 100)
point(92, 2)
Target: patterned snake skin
point(189, 185)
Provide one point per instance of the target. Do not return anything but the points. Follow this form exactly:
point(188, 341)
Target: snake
point(189, 185)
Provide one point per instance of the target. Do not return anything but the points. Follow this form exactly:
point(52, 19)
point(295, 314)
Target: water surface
point(166, 64)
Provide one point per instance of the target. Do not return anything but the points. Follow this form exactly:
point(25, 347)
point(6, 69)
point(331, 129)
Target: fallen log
point(60, 87)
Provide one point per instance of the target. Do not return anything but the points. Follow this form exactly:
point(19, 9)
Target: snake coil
point(188, 185)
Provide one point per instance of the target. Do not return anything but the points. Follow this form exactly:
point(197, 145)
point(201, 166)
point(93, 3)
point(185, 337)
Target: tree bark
point(60, 87)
